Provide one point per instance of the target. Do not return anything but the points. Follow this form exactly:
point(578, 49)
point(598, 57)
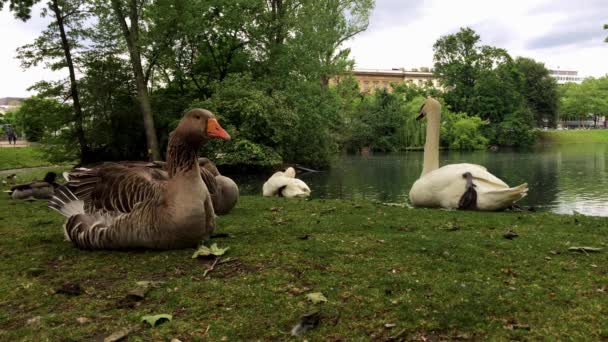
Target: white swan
point(457, 186)
point(285, 184)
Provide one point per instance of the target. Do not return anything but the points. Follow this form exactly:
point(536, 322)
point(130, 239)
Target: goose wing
point(116, 187)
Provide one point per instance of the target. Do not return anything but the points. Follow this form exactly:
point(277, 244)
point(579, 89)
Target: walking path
point(20, 143)
point(24, 169)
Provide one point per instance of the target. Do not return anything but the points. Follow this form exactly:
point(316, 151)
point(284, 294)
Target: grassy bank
point(386, 272)
point(13, 158)
point(574, 136)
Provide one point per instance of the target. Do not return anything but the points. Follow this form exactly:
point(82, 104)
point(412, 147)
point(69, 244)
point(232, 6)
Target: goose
point(457, 186)
point(226, 193)
point(223, 190)
point(284, 184)
point(122, 207)
point(43, 189)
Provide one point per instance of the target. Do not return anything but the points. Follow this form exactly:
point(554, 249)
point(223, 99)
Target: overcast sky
point(565, 33)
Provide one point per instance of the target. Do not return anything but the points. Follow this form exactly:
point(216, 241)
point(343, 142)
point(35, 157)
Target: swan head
point(199, 125)
point(430, 105)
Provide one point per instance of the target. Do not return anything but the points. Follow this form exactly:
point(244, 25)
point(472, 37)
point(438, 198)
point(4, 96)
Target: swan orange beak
point(215, 131)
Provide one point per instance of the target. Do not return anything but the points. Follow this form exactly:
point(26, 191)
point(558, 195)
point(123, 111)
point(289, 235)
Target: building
point(370, 80)
point(565, 76)
point(9, 103)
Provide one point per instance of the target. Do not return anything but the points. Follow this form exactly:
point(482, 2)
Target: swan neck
point(431, 146)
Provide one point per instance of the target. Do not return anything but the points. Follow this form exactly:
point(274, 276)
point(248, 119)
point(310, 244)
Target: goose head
point(200, 125)
point(430, 107)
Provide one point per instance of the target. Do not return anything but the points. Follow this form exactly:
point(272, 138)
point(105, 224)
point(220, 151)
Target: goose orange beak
point(215, 131)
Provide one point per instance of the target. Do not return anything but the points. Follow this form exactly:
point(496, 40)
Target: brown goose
point(226, 192)
point(120, 207)
point(223, 190)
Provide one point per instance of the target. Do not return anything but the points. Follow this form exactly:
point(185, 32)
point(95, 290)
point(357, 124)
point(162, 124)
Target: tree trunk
point(84, 149)
point(131, 36)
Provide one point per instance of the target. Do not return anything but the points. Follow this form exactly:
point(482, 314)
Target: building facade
point(371, 80)
point(565, 76)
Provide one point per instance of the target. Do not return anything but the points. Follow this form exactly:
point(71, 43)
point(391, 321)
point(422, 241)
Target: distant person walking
point(10, 134)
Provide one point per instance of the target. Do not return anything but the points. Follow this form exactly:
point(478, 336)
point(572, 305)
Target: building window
point(375, 84)
point(385, 85)
point(366, 86)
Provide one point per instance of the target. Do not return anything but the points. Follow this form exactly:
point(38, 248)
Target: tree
point(606, 28)
point(588, 99)
point(459, 62)
point(21, 8)
point(55, 46)
point(38, 117)
point(539, 90)
point(131, 9)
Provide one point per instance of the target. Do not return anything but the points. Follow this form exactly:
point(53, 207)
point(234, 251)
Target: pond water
point(561, 178)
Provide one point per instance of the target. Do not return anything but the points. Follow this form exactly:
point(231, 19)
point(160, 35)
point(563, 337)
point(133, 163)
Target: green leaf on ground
point(206, 251)
point(316, 297)
point(155, 320)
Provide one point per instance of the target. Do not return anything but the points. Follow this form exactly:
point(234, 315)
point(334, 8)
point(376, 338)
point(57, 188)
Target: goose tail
point(66, 203)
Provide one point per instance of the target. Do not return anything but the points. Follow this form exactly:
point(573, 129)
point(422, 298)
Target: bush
point(462, 132)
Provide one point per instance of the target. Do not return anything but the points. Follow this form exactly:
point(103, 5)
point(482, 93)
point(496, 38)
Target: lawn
point(387, 272)
point(575, 136)
point(12, 158)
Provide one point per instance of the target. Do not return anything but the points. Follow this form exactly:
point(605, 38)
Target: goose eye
point(197, 117)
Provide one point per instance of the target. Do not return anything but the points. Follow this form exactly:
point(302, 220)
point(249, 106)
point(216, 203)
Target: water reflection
point(561, 179)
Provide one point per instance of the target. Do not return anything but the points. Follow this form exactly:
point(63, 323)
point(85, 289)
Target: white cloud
point(573, 35)
point(13, 79)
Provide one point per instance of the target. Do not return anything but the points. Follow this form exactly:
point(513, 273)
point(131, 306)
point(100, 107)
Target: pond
point(561, 178)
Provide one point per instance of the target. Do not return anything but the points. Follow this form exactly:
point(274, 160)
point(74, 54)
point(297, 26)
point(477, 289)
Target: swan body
point(284, 183)
point(457, 186)
point(116, 206)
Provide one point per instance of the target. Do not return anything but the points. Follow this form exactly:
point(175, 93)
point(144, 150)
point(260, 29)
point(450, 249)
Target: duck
point(457, 186)
point(115, 206)
point(284, 184)
point(42, 189)
point(223, 190)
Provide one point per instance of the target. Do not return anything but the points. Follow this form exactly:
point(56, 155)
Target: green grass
point(13, 158)
point(574, 136)
point(433, 273)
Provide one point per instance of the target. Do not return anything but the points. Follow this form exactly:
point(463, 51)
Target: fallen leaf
point(117, 335)
point(207, 251)
point(307, 322)
point(154, 320)
point(83, 320)
point(316, 297)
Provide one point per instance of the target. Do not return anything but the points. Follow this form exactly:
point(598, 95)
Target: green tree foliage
point(606, 28)
point(484, 81)
point(263, 66)
point(539, 90)
point(57, 47)
point(586, 100)
point(38, 116)
point(462, 132)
